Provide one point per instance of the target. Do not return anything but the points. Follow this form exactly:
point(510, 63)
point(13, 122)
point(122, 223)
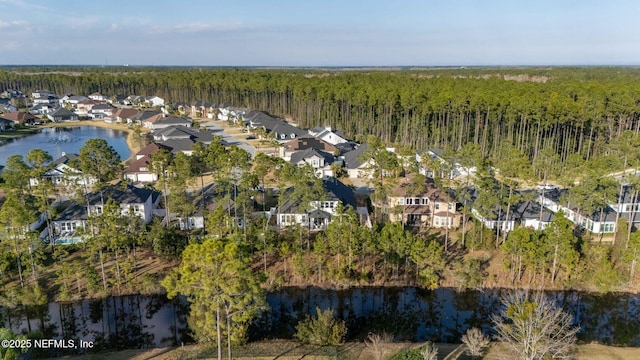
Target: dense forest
point(567, 110)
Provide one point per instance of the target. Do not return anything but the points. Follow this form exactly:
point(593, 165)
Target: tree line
point(565, 110)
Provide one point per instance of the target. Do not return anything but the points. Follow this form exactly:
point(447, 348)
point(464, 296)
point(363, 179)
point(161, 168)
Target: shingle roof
point(62, 112)
point(18, 116)
point(336, 190)
point(352, 158)
point(64, 159)
point(74, 212)
point(299, 156)
point(306, 142)
point(174, 120)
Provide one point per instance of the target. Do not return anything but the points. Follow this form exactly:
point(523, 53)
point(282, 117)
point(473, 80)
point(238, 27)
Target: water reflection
point(411, 314)
point(60, 140)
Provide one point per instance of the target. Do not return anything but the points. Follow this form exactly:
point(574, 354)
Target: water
point(55, 141)
point(411, 314)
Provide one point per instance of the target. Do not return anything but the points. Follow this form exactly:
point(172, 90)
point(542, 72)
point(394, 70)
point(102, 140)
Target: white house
point(132, 200)
point(318, 213)
point(333, 137)
point(356, 165)
point(139, 171)
point(62, 173)
point(154, 101)
point(601, 221)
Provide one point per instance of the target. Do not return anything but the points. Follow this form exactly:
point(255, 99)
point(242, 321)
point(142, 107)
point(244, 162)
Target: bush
point(323, 329)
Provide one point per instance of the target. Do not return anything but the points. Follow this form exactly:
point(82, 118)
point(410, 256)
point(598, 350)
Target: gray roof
point(531, 210)
point(174, 120)
point(182, 132)
point(284, 131)
point(178, 145)
point(299, 156)
point(334, 191)
point(146, 114)
point(102, 107)
point(64, 159)
point(627, 196)
point(128, 195)
point(75, 211)
point(62, 112)
point(352, 158)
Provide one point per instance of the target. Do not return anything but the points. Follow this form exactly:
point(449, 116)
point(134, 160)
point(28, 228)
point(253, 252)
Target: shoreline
point(130, 140)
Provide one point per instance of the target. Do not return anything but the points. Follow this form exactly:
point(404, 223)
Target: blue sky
point(320, 33)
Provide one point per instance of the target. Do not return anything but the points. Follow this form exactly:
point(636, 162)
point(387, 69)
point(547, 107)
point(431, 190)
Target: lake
point(56, 141)
point(413, 314)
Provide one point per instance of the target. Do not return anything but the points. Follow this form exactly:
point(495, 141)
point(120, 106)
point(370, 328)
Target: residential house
point(319, 160)
point(121, 115)
point(171, 121)
point(207, 200)
point(318, 213)
point(154, 101)
point(63, 172)
point(355, 163)
point(139, 170)
point(19, 117)
point(62, 115)
point(6, 107)
point(6, 124)
point(181, 107)
point(41, 93)
point(303, 143)
point(139, 201)
point(426, 206)
point(72, 100)
point(11, 93)
point(628, 205)
point(259, 119)
point(200, 109)
point(147, 118)
point(43, 109)
point(600, 221)
point(325, 133)
point(102, 111)
point(49, 99)
point(98, 97)
point(117, 99)
point(182, 139)
point(437, 163)
point(83, 108)
point(231, 113)
point(150, 150)
point(284, 132)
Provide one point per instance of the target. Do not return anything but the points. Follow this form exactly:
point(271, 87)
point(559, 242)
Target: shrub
point(323, 329)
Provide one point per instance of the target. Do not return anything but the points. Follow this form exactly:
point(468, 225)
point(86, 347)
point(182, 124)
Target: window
point(450, 206)
point(293, 136)
point(282, 136)
point(401, 201)
point(608, 228)
point(417, 201)
point(409, 201)
point(437, 206)
point(98, 209)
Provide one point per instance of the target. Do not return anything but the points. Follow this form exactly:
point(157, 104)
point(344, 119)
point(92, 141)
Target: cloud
point(197, 28)
point(24, 5)
point(11, 24)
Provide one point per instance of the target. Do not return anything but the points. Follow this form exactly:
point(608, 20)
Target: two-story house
point(317, 214)
point(329, 135)
point(132, 200)
point(424, 206)
point(319, 160)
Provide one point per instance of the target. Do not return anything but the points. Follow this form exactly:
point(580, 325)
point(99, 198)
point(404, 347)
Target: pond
point(412, 314)
point(60, 140)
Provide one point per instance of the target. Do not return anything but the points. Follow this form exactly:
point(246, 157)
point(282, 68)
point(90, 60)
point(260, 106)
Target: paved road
point(230, 139)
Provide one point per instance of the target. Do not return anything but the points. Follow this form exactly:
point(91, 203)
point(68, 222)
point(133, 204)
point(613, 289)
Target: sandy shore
point(133, 145)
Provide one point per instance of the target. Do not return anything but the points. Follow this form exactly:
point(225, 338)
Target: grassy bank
point(18, 133)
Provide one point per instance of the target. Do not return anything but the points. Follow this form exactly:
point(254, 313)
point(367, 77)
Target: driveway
point(229, 139)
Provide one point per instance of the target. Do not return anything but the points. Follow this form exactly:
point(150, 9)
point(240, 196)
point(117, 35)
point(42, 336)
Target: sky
point(320, 33)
